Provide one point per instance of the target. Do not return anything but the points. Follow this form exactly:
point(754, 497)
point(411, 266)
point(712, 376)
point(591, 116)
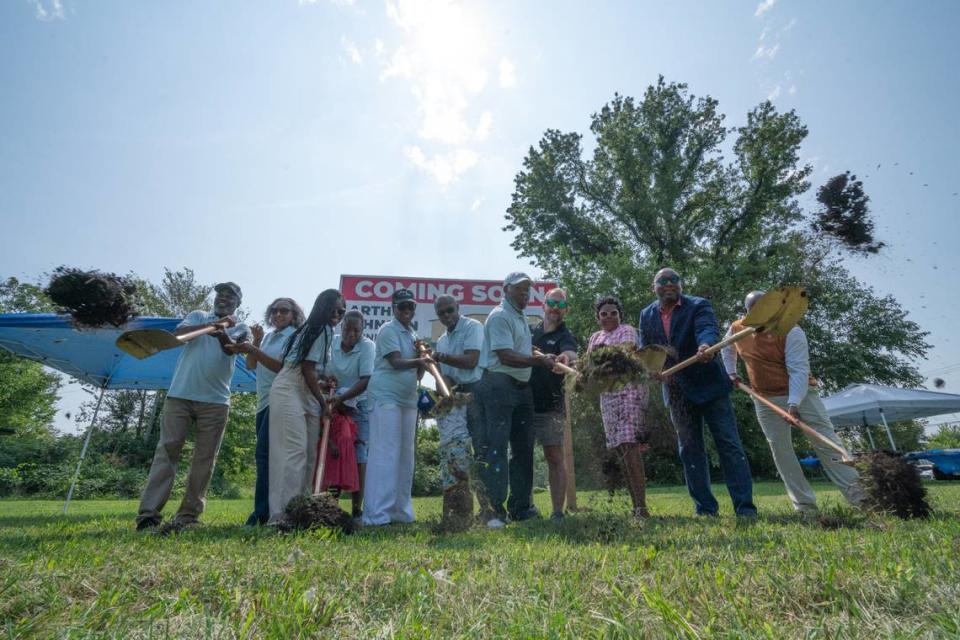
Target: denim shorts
point(362, 417)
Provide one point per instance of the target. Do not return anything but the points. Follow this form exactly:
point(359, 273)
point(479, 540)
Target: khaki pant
point(779, 436)
point(294, 428)
point(178, 415)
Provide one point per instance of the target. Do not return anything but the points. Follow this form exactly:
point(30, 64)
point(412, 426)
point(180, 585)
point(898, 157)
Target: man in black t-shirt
point(552, 337)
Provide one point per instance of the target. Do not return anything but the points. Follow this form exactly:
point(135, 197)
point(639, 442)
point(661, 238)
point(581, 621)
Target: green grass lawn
point(596, 575)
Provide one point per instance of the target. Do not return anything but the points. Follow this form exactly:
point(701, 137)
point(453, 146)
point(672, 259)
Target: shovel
point(318, 510)
point(322, 447)
point(143, 343)
point(651, 357)
point(432, 368)
point(845, 456)
point(890, 483)
point(776, 312)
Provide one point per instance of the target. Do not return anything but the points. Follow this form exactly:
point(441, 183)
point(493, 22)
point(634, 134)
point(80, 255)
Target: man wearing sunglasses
point(507, 400)
point(458, 354)
point(549, 418)
point(698, 394)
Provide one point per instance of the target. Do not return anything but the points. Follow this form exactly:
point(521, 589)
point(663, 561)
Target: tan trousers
point(178, 415)
point(779, 436)
point(294, 430)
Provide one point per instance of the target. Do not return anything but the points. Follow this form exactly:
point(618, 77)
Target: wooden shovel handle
point(739, 335)
point(816, 435)
point(190, 335)
point(322, 446)
point(559, 365)
point(432, 368)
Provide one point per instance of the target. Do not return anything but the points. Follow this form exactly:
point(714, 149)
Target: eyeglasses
point(445, 311)
point(406, 306)
point(609, 314)
point(557, 304)
point(662, 280)
point(340, 311)
point(281, 310)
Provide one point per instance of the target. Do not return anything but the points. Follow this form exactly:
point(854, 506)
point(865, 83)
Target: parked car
point(944, 463)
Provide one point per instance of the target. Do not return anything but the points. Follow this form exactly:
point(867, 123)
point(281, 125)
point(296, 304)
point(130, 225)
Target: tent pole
point(83, 452)
point(889, 433)
point(866, 429)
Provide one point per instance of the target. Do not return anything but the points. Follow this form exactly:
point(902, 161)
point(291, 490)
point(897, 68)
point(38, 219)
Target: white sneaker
point(496, 523)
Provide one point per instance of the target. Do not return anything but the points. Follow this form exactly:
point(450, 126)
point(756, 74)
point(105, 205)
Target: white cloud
point(792, 90)
point(482, 132)
point(766, 52)
point(48, 13)
point(351, 49)
point(508, 74)
point(445, 57)
point(774, 94)
point(443, 167)
point(763, 7)
point(476, 204)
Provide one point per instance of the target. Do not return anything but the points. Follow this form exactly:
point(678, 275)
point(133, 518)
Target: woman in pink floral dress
point(623, 411)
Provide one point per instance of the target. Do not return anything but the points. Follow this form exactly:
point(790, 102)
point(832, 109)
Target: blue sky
point(280, 144)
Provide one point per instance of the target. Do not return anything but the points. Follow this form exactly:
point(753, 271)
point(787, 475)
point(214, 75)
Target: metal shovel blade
point(653, 357)
point(143, 343)
point(778, 310)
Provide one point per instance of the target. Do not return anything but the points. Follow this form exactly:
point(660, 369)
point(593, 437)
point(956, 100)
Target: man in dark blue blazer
point(700, 393)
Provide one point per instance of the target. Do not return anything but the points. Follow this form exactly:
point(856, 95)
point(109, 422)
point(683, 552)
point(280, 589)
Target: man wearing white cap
point(507, 358)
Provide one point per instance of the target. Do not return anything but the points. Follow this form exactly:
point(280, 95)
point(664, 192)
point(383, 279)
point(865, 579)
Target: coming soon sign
point(371, 296)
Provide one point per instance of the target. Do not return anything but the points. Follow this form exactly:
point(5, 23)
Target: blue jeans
point(261, 507)
point(508, 421)
point(688, 420)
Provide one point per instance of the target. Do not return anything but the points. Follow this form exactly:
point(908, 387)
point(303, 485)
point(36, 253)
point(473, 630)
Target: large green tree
point(28, 392)
point(657, 189)
point(662, 181)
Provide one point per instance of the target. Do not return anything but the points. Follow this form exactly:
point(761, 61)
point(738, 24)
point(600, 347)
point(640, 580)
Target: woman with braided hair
point(297, 402)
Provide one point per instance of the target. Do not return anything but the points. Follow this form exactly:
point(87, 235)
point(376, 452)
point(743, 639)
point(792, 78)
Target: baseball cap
point(516, 278)
point(402, 295)
point(232, 287)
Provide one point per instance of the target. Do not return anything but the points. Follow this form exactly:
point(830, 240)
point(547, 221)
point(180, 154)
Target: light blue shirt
point(319, 350)
point(466, 336)
point(506, 328)
point(203, 370)
point(349, 366)
point(389, 385)
point(272, 345)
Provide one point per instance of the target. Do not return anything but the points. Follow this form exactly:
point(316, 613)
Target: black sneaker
point(148, 524)
point(528, 514)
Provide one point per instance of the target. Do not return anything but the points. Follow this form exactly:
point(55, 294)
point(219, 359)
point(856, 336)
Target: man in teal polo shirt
point(507, 400)
point(199, 393)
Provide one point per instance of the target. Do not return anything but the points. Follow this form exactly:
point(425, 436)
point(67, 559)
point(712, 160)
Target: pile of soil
point(892, 486)
point(321, 511)
point(610, 368)
point(93, 298)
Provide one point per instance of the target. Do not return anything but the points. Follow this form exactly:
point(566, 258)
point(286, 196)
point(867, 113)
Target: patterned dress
point(622, 411)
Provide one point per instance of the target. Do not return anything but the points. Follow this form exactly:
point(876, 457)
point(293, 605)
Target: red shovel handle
point(322, 447)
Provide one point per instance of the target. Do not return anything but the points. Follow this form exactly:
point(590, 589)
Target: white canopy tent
point(867, 404)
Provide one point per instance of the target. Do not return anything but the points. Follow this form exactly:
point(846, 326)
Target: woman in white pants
point(393, 420)
point(297, 403)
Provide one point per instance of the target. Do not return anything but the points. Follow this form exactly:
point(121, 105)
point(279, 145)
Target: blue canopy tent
point(92, 357)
